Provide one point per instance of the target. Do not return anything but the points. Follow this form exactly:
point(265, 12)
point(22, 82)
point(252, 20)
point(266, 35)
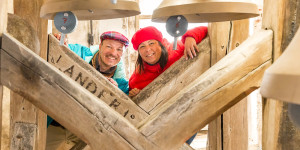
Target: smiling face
point(110, 52)
point(150, 51)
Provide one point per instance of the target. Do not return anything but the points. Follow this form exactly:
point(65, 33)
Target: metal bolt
point(178, 18)
point(63, 28)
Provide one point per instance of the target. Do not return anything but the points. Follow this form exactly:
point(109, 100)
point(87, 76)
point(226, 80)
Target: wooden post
point(5, 7)
point(235, 120)
point(273, 18)
point(24, 115)
point(219, 35)
point(226, 36)
point(3, 22)
point(282, 17)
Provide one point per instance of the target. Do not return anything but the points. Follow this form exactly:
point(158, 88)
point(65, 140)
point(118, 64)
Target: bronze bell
point(281, 81)
point(90, 9)
point(205, 10)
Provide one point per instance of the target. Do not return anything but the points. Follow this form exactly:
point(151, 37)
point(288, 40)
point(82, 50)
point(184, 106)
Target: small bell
point(176, 26)
point(65, 22)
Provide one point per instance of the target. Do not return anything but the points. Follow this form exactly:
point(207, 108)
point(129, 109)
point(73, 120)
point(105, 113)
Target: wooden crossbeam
point(63, 58)
point(167, 127)
point(76, 68)
point(215, 91)
point(59, 96)
point(175, 78)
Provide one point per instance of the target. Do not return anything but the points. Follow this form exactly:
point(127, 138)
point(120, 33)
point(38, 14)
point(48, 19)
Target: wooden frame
point(82, 113)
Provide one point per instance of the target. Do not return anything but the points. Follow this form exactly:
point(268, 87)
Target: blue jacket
point(119, 75)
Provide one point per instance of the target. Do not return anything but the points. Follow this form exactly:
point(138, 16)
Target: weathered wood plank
point(278, 16)
point(273, 18)
point(5, 137)
point(59, 96)
point(3, 24)
point(216, 90)
point(3, 16)
point(25, 31)
point(235, 119)
point(84, 74)
point(24, 136)
point(219, 33)
point(64, 59)
point(179, 75)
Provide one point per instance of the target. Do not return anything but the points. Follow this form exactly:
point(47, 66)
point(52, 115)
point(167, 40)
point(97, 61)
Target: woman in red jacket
point(155, 54)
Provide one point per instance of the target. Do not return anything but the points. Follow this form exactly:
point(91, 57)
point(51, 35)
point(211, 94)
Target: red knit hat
point(145, 34)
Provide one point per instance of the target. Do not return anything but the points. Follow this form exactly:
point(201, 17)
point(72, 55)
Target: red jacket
point(152, 71)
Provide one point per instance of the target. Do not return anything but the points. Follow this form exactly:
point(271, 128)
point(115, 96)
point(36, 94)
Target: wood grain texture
point(30, 11)
point(21, 110)
point(3, 23)
point(273, 18)
point(278, 132)
point(59, 96)
point(76, 68)
point(3, 16)
point(216, 90)
point(174, 79)
point(235, 120)
point(24, 136)
point(5, 137)
point(219, 33)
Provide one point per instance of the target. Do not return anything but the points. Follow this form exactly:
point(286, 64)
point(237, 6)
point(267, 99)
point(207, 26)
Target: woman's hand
point(112, 81)
point(134, 92)
point(190, 48)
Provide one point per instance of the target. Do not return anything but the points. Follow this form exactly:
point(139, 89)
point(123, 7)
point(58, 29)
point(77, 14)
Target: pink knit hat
point(144, 34)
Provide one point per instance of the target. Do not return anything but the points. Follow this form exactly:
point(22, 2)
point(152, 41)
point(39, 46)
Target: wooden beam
point(30, 11)
point(59, 96)
point(3, 15)
point(174, 79)
point(76, 68)
point(273, 18)
point(216, 90)
point(24, 138)
point(5, 137)
point(235, 119)
point(219, 33)
point(3, 24)
point(279, 132)
point(63, 58)
point(22, 110)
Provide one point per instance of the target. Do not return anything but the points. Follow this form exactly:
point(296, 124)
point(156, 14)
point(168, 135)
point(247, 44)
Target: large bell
point(281, 81)
point(205, 10)
point(91, 9)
